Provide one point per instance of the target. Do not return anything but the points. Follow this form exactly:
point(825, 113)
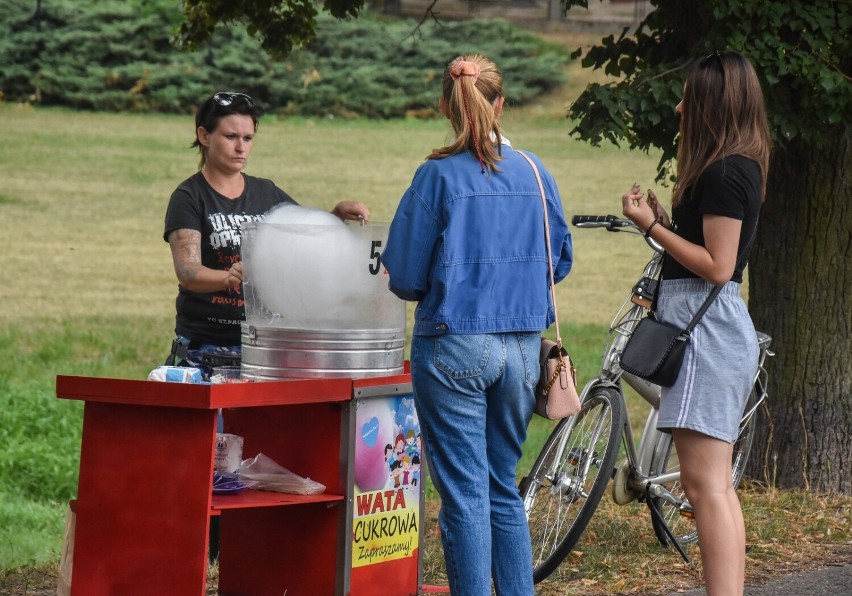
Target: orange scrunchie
point(463, 68)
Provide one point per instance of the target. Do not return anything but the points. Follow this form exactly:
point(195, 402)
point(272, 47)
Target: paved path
point(831, 581)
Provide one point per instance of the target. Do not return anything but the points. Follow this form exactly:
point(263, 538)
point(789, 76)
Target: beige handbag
point(556, 392)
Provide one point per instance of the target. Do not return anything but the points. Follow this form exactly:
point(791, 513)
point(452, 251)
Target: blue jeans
point(474, 396)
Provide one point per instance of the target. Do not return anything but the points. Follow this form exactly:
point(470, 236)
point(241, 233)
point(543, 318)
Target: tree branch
point(429, 12)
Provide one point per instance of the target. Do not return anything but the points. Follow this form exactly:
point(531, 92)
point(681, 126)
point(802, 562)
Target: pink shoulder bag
point(556, 392)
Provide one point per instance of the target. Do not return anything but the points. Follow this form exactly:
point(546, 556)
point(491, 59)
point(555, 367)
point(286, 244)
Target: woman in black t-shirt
point(202, 228)
point(722, 162)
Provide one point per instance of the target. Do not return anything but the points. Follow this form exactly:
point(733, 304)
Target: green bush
point(117, 56)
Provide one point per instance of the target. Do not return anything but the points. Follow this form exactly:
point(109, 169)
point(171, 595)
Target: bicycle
point(573, 468)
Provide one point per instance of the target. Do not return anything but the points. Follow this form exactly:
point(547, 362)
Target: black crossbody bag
point(655, 350)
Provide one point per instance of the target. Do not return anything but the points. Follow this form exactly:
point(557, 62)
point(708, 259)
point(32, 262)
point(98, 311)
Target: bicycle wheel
point(568, 479)
point(665, 460)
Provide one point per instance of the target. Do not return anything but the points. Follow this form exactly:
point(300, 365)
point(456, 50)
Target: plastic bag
point(230, 484)
point(271, 476)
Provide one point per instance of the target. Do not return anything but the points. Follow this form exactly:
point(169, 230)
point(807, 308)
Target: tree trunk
point(800, 293)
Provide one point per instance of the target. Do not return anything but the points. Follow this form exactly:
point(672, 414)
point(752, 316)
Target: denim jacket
point(469, 246)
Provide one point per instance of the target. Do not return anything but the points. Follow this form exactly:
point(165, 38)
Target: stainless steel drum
point(271, 353)
point(317, 299)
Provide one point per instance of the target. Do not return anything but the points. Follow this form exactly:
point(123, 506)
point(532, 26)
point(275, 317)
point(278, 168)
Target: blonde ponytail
point(471, 88)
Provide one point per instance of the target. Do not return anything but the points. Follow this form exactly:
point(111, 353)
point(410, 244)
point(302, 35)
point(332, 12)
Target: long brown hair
point(722, 114)
point(471, 101)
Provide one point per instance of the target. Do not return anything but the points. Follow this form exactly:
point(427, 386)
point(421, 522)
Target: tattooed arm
point(191, 274)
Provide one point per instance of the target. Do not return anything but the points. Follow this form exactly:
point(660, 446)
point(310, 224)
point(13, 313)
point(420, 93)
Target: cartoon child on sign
point(396, 472)
point(415, 470)
point(399, 449)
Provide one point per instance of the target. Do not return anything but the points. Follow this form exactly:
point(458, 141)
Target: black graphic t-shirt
point(215, 318)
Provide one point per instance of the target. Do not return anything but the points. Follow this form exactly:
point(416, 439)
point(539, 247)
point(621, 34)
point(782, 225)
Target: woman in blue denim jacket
point(467, 243)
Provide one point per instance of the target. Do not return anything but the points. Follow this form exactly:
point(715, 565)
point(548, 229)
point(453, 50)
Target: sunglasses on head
point(716, 55)
point(226, 98)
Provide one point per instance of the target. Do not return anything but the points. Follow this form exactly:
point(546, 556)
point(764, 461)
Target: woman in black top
point(723, 156)
point(202, 227)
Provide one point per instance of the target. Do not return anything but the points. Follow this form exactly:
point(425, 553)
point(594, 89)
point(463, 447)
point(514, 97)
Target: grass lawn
point(89, 289)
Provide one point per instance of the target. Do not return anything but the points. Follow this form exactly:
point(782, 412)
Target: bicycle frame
point(580, 456)
point(632, 310)
point(638, 458)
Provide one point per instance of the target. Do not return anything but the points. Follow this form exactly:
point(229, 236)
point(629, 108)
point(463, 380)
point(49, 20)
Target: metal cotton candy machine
point(317, 300)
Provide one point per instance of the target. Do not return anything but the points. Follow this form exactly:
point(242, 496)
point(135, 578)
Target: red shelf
point(258, 498)
point(203, 396)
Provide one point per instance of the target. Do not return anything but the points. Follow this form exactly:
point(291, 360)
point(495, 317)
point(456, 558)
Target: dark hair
point(723, 114)
point(218, 106)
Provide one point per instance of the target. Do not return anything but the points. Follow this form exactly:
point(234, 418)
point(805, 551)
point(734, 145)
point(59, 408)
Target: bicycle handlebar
point(610, 222)
point(613, 224)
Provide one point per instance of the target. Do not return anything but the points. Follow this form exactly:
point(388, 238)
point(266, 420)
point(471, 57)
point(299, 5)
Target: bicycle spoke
point(568, 478)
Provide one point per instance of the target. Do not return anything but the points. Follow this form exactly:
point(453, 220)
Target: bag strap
point(547, 242)
point(714, 292)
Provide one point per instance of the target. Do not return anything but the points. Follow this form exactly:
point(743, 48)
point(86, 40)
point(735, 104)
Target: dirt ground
point(794, 577)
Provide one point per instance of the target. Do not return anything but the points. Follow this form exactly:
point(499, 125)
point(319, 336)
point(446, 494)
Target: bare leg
point(705, 468)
